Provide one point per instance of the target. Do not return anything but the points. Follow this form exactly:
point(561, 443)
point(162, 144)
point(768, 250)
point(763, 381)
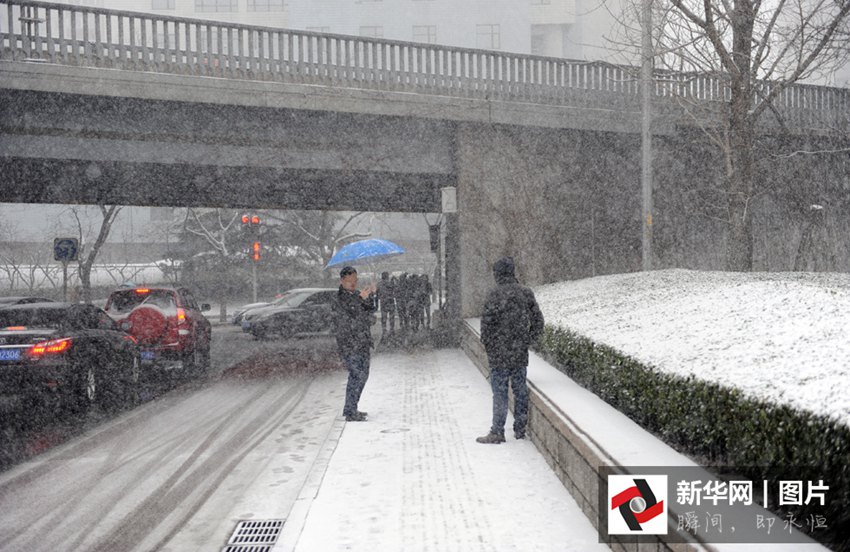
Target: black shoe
point(491, 439)
point(364, 414)
point(358, 417)
point(519, 434)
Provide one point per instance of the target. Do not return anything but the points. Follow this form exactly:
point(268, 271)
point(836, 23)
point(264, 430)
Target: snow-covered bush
point(718, 425)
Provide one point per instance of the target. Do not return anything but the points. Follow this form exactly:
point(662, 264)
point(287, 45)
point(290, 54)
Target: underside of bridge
point(76, 181)
point(90, 149)
point(71, 148)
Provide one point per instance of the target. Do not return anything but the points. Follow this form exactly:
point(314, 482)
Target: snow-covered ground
point(413, 478)
point(784, 337)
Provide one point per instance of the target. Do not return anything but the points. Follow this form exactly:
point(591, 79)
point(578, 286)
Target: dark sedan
point(304, 310)
point(73, 353)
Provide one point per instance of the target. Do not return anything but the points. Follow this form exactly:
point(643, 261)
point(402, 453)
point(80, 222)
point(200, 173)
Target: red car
point(168, 325)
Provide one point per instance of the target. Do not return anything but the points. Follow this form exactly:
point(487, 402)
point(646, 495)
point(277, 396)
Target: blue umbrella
point(364, 252)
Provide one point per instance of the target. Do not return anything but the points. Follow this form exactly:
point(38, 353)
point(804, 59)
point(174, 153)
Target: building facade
point(571, 29)
point(269, 13)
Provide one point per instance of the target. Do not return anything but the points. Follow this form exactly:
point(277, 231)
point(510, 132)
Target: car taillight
point(52, 347)
point(181, 316)
point(15, 328)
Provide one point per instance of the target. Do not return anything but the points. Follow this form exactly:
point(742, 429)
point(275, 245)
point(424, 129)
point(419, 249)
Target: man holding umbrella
point(353, 316)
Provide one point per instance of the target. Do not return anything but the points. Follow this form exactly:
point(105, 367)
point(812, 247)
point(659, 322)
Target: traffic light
point(251, 223)
point(251, 229)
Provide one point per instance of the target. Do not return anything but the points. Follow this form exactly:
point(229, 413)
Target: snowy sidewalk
point(413, 477)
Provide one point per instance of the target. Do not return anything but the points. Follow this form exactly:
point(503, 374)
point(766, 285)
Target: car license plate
point(147, 355)
point(10, 354)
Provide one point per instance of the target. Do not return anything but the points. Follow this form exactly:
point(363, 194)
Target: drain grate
point(248, 548)
point(254, 536)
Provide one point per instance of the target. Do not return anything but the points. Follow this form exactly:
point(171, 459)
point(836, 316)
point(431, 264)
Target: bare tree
point(756, 50)
point(8, 259)
point(320, 233)
point(125, 272)
point(216, 230)
point(29, 268)
point(89, 250)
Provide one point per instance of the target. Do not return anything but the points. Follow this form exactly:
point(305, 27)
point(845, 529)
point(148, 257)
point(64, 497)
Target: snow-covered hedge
point(722, 425)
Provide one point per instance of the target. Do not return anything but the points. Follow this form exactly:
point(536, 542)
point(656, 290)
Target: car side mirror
point(125, 325)
point(205, 307)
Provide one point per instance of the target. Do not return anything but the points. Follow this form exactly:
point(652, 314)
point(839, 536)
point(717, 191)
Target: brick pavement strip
point(413, 477)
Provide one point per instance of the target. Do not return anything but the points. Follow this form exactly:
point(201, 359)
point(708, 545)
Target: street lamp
point(646, 133)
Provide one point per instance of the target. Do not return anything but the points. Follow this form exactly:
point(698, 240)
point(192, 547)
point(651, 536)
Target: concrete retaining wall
point(578, 433)
point(573, 454)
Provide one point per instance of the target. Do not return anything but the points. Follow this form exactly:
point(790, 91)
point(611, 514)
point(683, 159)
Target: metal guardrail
point(87, 36)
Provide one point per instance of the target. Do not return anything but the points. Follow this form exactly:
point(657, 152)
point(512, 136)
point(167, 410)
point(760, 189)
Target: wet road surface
point(179, 471)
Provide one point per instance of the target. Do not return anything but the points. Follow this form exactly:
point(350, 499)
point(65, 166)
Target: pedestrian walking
point(401, 292)
point(425, 298)
point(510, 322)
point(413, 313)
point(353, 316)
point(386, 303)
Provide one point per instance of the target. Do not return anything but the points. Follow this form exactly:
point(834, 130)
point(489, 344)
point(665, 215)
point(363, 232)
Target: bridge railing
point(88, 36)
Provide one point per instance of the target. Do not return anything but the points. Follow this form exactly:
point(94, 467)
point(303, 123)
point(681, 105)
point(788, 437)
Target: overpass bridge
point(389, 77)
point(102, 106)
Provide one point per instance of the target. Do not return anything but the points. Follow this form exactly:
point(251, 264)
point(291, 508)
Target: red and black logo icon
point(637, 504)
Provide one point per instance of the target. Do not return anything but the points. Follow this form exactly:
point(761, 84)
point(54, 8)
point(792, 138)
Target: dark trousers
point(387, 311)
point(499, 377)
point(401, 307)
point(357, 365)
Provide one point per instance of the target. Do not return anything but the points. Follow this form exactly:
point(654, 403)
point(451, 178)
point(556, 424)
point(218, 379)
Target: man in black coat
point(353, 316)
point(510, 322)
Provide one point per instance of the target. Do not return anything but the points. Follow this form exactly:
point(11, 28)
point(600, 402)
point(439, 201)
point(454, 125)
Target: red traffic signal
point(256, 249)
point(245, 219)
point(255, 219)
point(250, 219)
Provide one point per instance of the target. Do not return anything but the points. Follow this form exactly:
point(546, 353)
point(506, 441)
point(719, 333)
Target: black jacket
point(511, 319)
point(353, 319)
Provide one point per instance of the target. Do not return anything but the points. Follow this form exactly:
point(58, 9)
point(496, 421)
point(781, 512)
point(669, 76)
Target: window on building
point(265, 5)
point(487, 37)
point(425, 33)
point(372, 32)
point(216, 5)
point(538, 40)
point(163, 4)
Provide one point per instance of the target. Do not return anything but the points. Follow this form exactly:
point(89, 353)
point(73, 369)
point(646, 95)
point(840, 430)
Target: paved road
point(178, 472)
